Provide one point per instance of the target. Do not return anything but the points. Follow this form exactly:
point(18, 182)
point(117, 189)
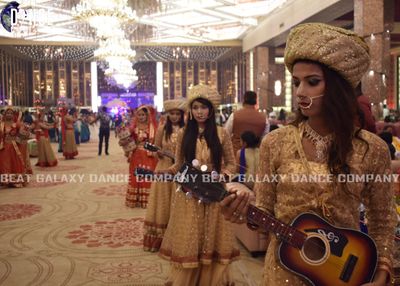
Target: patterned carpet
point(71, 227)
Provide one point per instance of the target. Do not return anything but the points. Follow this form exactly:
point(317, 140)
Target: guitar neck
point(168, 154)
point(215, 192)
point(154, 148)
point(269, 223)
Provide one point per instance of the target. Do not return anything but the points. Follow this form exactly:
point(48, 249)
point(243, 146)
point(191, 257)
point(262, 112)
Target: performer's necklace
point(321, 143)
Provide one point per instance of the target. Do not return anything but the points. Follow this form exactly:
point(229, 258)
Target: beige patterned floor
point(68, 229)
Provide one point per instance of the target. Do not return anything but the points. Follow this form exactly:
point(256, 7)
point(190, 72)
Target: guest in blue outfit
point(85, 132)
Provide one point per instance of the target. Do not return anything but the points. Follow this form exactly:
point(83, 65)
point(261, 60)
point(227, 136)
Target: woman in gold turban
point(198, 241)
point(161, 193)
point(326, 63)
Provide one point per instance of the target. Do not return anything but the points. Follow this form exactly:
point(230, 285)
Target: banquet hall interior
point(69, 224)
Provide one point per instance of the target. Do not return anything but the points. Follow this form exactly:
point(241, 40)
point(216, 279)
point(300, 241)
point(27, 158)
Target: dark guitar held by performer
point(311, 247)
point(191, 181)
point(153, 148)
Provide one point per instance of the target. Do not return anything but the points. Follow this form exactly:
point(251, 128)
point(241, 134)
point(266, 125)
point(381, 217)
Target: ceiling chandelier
point(105, 15)
point(115, 47)
point(116, 51)
point(121, 73)
point(125, 80)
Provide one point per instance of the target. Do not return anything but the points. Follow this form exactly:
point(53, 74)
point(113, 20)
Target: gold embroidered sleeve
point(178, 153)
point(265, 187)
point(159, 136)
point(378, 196)
point(229, 166)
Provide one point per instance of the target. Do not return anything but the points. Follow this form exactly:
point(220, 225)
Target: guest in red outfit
point(143, 130)
point(13, 156)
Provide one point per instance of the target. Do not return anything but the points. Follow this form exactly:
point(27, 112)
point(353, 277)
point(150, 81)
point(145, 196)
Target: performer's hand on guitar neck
point(234, 206)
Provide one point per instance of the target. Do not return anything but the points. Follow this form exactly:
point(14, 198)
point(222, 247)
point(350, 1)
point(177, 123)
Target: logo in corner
point(8, 15)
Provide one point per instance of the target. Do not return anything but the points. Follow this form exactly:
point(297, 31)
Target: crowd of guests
point(17, 129)
point(25, 134)
point(321, 138)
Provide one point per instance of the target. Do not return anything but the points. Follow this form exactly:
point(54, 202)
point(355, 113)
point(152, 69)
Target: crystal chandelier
point(115, 47)
point(105, 15)
point(126, 79)
point(117, 52)
point(121, 73)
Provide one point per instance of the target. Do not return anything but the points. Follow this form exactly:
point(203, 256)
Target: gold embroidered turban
point(206, 92)
point(339, 49)
point(175, 104)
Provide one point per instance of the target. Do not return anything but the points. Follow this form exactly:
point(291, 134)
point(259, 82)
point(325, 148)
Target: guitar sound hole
point(314, 249)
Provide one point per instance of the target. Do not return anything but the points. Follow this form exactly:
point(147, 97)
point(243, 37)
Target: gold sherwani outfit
point(161, 193)
point(199, 241)
point(281, 153)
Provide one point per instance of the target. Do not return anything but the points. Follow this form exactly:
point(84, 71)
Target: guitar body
point(330, 255)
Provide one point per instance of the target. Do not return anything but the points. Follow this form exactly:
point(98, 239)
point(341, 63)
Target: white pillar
point(94, 87)
point(236, 85)
point(159, 97)
point(251, 70)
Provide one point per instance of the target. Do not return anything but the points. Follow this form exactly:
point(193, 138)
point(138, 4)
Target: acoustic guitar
point(310, 246)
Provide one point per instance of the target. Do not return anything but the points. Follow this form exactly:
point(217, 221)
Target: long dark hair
point(210, 134)
point(340, 113)
point(168, 125)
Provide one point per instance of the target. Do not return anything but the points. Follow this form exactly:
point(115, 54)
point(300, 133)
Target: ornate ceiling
point(162, 21)
point(208, 28)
